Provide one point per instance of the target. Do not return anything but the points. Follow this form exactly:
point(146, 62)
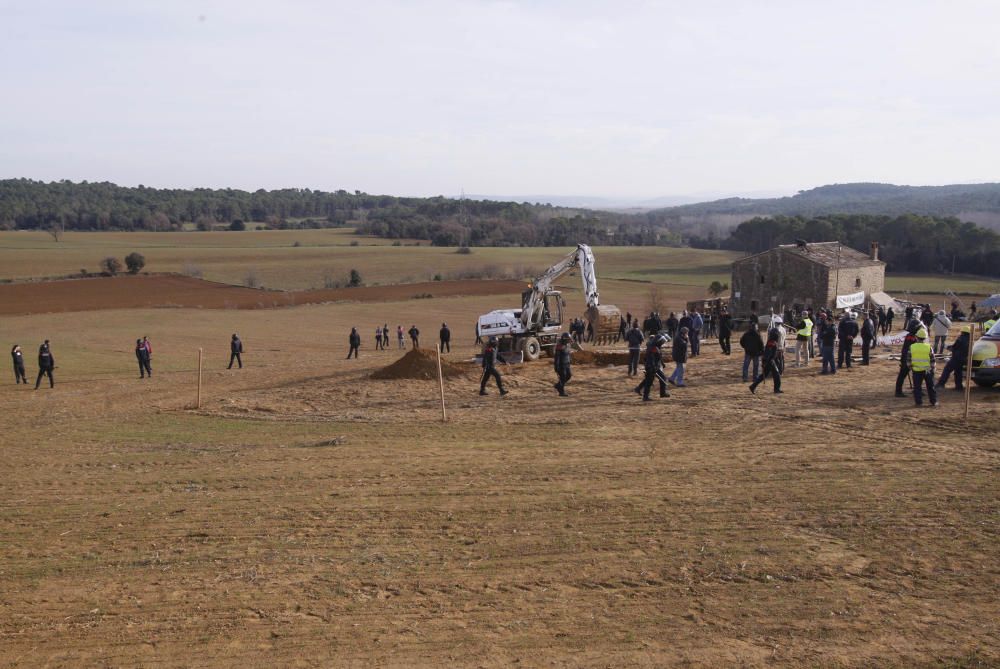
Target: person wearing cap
point(654, 368)
point(354, 341)
point(634, 339)
point(46, 363)
point(771, 365)
point(753, 347)
point(802, 339)
point(563, 354)
point(959, 357)
point(922, 367)
point(490, 356)
point(904, 356)
point(679, 352)
point(846, 331)
point(940, 326)
point(235, 351)
point(142, 355)
point(18, 358)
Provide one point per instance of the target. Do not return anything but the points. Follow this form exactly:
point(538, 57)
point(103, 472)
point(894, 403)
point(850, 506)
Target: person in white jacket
point(940, 326)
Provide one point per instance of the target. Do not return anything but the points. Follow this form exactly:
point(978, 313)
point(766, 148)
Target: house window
point(857, 282)
point(762, 279)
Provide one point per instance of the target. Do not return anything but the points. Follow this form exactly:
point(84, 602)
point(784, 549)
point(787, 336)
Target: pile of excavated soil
point(418, 363)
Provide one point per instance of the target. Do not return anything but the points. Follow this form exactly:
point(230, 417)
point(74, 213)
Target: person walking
point(490, 354)
point(889, 315)
point(940, 326)
point(753, 348)
point(847, 330)
point(679, 351)
point(385, 336)
point(634, 339)
point(235, 351)
point(445, 336)
point(904, 357)
point(803, 337)
point(142, 356)
point(414, 336)
point(17, 356)
point(622, 328)
point(354, 340)
point(922, 366)
point(868, 331)
point(772, 367)
point(959, 357)
point(563, 354)
point(725, 332)
point(654, 368)
point(46, 363)
point(694, 334)
point(400, 343)
point(378, 338)
point(827, 338)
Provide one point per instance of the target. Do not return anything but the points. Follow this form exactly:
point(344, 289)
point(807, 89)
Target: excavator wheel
point(531, 348)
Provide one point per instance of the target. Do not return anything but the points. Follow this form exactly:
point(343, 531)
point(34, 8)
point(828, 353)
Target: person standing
point(771, 365)
point(622, 327)
point(846, 331)
point(803, 336)
point(680, 354)
point(445, 336)
point(354, 340)
point(753, 348)
point(904, 358)
point(563, 354)
point(959, 356)
point(414, 336)
point(725, 332)
point(654, 368)
point(868, 330)
point(827, 338)
point(378, 338)
point(148, 345)
point(385, 336)
point(922, 366)
point(46, 363)
point(889, 315)
point(634, 338)
point(940, 325)
point(400, 343)
point(142, 355)
point(671, 325)
point(694, 334)
point(235, 351)
point(18, 358)
point(490, 352)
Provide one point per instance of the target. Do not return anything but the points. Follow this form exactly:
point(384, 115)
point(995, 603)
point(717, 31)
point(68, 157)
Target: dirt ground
point(308, 515)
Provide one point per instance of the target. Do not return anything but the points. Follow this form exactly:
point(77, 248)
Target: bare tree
point(657, 302)
point(56, 230)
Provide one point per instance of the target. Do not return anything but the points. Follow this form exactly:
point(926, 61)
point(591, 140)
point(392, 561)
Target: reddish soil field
point(133, 292)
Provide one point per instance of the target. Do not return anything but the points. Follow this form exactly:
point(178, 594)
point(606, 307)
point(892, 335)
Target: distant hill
point(977, 203)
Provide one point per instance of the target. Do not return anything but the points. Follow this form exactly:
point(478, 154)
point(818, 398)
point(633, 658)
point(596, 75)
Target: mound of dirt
point(418, 363)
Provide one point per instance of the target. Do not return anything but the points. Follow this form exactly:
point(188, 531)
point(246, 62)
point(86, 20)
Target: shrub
point(330, 280)
point(237, 226)
point(354, 242)
point(437, 277)
point(296, 243)
point(355, 279)
point(464, 250)
point(135, 261)
point(111, 265)
point(251, 280)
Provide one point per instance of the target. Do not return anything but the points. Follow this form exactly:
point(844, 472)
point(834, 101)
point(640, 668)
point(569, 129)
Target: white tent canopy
point(885, 301)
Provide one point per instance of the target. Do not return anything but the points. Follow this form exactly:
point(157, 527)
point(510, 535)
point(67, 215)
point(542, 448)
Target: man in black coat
point(725, 332)
point(18, 357)
point(671, 325)
point(654, 368)
point(414, 336)
point(235, 351)
point(847, 330)
point(46, 363)
point(563, 354)
point(753, 347)
point(904, 357)
point(771, 366)
point(445, 336)
point(959, 357)
point(634, 338)
point(142, 355)
point(354, 340)
point(490, 352)
point(868, 332)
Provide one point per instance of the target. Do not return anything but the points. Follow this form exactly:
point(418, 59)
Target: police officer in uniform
point(959, 356)
point(634, 338)
point(922, 366)
point(563, 354)
point(46, 363)
point(803, 337)
point(490, 366)
point(654, 368)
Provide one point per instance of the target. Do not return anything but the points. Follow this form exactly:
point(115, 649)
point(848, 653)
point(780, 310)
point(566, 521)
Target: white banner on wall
point(852, 300)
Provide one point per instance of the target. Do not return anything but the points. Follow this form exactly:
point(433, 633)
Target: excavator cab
point(552, 314)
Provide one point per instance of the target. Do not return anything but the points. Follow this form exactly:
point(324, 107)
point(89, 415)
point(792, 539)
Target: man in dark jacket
point(827, 335)
point(46, 363)
point(235, 351)
point(671, 325)
point(563, 353)
point(725, 332)
point(414, 336)
point(355, 342)
point(490, 352)
point(622, 327)
point(685, 321)
point(18, 357)
point(142, 355)
point(904, 357)
point(445, 336)
point(847, 331)
point(868, 332)
point(654, 368)
point(634, 338)
point(680, 355)
point(771, 367)
point(753, 347)
point(959, 357)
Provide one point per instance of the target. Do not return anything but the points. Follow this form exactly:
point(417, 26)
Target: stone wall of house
point(851, 280)
point(777, 280)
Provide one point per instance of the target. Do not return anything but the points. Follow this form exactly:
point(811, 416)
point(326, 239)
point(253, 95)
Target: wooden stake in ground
point(968, 369)
point(198, 405)
point(444, 414)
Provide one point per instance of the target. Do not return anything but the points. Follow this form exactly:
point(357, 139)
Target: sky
point(626, 99)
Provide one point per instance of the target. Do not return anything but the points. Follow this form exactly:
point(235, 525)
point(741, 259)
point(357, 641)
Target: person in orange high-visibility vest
point(922, 366)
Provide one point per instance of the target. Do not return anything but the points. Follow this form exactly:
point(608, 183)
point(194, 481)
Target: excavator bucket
point(606, 320)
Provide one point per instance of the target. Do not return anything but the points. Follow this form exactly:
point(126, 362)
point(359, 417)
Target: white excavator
point(539, 322)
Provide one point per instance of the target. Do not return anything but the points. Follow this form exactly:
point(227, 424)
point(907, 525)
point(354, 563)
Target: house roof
point(829, 254)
